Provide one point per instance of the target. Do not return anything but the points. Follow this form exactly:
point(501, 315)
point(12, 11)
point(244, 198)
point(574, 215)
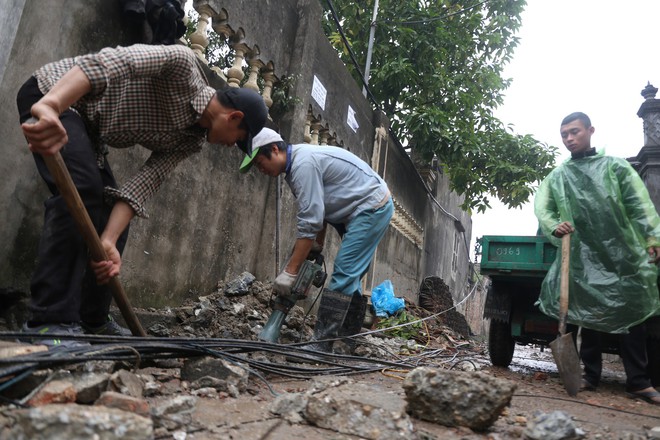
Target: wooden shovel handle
point(563, 291)
point(69, 193)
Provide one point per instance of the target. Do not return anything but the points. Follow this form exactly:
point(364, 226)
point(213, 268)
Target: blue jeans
point(357, 248)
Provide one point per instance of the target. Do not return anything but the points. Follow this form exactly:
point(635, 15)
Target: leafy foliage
point(218, 53)
point(407, 331)
point(436, 71)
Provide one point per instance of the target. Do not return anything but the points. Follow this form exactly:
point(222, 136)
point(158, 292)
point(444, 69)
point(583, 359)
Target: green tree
point(436, 71)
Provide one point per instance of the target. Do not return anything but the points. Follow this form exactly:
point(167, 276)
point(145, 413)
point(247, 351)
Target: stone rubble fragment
point(326, 405)
point(240, 285)
point(75, 422)
point(173, 413)
point(290, 406)
point(131, 404)
point(125, 382)
point(217, 373)
point(357, 418)
point(654, 432)
point(89, 386)
point(54, 391)
point(556, 425)
point(456, 398)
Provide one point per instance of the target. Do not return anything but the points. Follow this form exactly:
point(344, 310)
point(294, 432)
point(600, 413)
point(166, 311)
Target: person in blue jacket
point(331, 186)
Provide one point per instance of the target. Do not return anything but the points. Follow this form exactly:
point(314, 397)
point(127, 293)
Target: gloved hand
point(284, 282)
point(315, 251)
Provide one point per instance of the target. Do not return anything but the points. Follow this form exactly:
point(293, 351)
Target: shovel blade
point(568, 363)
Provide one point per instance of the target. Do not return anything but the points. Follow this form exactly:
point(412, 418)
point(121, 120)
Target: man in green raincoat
point(615, 246)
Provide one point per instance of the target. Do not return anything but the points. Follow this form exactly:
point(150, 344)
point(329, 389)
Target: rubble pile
point(157, 397)
point(237, 309)
point(435, 296)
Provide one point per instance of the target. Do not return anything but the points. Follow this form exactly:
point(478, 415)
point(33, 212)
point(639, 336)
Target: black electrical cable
point(150, 348)
point(372, 98)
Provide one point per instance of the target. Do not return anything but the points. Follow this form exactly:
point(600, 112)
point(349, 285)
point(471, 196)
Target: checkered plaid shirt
point(147, 95)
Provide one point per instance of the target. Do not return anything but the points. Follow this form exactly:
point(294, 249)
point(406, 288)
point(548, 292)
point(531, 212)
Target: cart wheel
point(500, 343)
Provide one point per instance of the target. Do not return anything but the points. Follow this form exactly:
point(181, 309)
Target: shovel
point(69, 193)
point(563, 348)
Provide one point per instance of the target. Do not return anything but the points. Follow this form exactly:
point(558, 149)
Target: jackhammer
point(310, 274)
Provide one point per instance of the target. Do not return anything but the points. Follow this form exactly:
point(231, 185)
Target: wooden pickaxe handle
point(69, 193)
point(563, 282)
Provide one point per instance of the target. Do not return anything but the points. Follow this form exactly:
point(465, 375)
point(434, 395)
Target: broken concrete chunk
point(134, 405)
point(174, 413)
point(290, 406)
point(323, 383)
point(234, 375)
point(77, 422)
point(338, 404)
point(296, 318)
point(125, 382)
point(240, 285)
point(107, 367)
point(556, 425)
point(55, 391)
point(654, 433)
point(159, 329)
point(357, 418)
point(454, 398)
point(89, 386)
point(380, 348)
point(215, 384)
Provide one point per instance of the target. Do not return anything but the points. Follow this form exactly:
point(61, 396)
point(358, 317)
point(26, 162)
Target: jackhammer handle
point(69, 193)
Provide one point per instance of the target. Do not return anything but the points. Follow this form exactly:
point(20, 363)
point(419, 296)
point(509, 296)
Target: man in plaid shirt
point(154, 96)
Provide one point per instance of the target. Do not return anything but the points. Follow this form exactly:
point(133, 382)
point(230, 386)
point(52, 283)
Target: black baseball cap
point(254, 111)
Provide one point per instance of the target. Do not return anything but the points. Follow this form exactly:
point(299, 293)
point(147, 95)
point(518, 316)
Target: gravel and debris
point(203, 374)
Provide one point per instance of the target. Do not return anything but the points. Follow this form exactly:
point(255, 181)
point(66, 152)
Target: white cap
point(265, 137)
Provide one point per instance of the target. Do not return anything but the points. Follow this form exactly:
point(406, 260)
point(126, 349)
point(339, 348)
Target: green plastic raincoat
point(612, 285)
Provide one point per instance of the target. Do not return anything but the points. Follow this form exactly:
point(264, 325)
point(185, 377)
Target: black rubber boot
point(330, 318)
point(352, 323)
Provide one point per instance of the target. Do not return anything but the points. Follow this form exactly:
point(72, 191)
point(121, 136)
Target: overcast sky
point(593, 56)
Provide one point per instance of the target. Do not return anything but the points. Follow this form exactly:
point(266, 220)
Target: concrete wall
point(34, 33)
point(208, 222)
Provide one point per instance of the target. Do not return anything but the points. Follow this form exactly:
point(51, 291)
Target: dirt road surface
point(603, 414)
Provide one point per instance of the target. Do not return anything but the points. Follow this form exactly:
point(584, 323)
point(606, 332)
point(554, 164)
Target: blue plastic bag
point(384, 302)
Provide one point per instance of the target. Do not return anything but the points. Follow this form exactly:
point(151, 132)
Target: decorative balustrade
point(243, 52)
point(404, 222)
point(318, 133)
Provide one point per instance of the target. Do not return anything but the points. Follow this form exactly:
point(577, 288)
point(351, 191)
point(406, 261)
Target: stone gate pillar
point(648, 158)
point(649, 169)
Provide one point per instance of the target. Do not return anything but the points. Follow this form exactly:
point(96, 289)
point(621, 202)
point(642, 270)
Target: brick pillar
point(648, 158)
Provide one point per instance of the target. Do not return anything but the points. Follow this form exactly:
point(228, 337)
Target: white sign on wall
point(319, 93)
point(351, 121)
